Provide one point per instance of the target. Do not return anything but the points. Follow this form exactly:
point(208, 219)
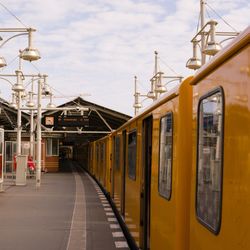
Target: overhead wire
point(169, 67)
point(63, 96)
point(142, 85)
point(12, 14)
point(221, 18)
point(10, 63)
point(35, 67)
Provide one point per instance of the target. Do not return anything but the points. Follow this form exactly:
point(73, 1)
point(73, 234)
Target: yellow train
point(179, 172)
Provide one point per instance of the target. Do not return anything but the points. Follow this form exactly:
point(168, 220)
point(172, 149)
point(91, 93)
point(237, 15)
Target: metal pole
point(32, 123)
point(19, 124)
point(156, 62)
point(32, 133)
point(136, 97)
point(155, 78)
point(202, 13)
point(19, 112)
point(39, 135)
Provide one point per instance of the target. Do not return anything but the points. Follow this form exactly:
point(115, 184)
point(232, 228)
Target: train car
point(100, 161)
point(180, 169)
point(220, 196)
point(150, 182)
point(126, 175)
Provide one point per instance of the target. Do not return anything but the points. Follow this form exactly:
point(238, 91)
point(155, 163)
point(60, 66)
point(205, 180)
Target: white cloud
point(98, 46)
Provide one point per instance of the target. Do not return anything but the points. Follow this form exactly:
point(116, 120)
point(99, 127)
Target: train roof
point(239, 42)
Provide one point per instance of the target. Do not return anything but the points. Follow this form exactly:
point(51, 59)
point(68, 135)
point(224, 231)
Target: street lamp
point(158, 87)
point(30, 53)
point(205, 39)
point(31, 106)
point(50, 105)
point(137, 105)
point(18, 88)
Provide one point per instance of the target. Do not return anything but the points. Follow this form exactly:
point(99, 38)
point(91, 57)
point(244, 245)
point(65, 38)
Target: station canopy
point(75, 121)
point(81, 121)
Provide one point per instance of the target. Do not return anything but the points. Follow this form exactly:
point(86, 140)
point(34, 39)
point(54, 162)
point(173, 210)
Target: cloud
point(98, 46)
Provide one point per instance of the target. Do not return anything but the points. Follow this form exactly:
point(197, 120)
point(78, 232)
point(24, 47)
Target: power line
point(35, 67)
point(10, 63)
point(12, 14)
point(169, 67)
point(221, 18)
point(63, 96)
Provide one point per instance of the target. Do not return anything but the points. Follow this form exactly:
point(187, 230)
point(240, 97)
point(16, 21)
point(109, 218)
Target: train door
point(104, 148)
point(124, 156)
point(146, 183)
point(113, 168)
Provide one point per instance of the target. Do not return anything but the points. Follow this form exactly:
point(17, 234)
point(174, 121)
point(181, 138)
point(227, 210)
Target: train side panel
point(117, 169)
point(108, 168)
point(170, 190)
point(220, 201)
point(132, 178)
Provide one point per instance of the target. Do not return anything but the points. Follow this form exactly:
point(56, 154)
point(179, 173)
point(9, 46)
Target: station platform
point(69, 211)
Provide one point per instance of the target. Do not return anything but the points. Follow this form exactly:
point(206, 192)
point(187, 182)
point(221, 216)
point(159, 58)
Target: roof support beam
point(105, 122)
point(7, 116)
point(66, 132)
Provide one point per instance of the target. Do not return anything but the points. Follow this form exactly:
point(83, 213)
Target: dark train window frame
point(133, 176)
point(214, 230)
point(97, 156)
point(117, 160)
point(164, 195)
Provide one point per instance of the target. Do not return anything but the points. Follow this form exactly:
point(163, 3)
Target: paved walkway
point(68, 211)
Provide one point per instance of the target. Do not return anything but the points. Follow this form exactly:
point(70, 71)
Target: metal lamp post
point(19, 88)
point(28, 54)
point(39, 134)
point(201, 39)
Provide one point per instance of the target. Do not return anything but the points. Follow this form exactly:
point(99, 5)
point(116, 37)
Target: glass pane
point(49, 146)
point(8, 152)
point(209, 169)
point(165, 161)
point(1, 141)
point(132, 155)
point(117, 152)
point(54, 147)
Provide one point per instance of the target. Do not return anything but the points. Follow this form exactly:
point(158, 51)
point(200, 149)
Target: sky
point(95, 48)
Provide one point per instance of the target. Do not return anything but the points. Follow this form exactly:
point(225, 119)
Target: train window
point(132, 155)
point(209, 160)
point(97, 156)
point(117, 152)
point(101, 152)
point(165, 156)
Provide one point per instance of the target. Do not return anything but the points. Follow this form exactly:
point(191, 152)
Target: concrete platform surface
point(68, 211)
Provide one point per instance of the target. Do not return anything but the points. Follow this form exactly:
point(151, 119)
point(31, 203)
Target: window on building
point(52, 147)
point(132, 155)
point(165, 156)
point(209, 160)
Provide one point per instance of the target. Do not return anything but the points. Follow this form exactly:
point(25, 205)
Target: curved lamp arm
point(10, 38)
point(7, 81)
